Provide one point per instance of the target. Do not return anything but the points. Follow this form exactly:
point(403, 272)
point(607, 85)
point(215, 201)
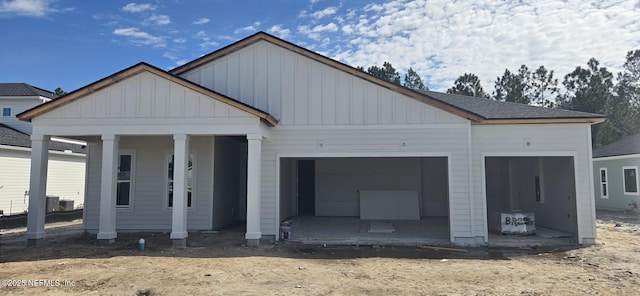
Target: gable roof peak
point(134, 70)
point(244, 42)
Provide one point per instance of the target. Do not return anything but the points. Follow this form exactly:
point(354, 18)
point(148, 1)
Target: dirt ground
point(220, 264)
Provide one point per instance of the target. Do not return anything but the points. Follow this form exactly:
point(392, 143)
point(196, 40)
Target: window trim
point(605, 183)
point(192, 154)
point(624, 180)
point(2, 108)
point(132, 153)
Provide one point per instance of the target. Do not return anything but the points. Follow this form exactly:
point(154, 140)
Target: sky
point(73, 43)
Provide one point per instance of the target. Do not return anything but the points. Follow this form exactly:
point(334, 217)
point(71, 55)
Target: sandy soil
point(219, 264)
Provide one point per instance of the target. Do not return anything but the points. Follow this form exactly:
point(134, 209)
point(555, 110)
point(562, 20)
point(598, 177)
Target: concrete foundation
point(253, 242)
point(469, 241)
point(107, 241)
point(35, 242)
point(588, 241)
point(179, 243)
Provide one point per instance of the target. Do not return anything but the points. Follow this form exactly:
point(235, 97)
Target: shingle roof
point(24, 90)
point(495, 110)
point(626, 146)
point(16, 138)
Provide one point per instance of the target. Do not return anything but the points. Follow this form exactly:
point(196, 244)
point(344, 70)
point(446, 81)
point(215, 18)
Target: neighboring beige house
point(67, 160)
point(263, 131)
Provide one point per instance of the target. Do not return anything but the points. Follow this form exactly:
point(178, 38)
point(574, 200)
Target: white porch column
point(37, 188)
point(107, 226)
point(180, 163)
point(254, 166)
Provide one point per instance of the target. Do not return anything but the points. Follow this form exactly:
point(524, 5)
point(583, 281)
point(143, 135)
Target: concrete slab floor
point(353, 231)
point(543, 237)
point(432, 231)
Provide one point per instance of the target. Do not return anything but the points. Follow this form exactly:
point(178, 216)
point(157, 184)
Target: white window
point(190, 178)
point(630, 180)
point(6, 111)
point(125, 180)
point(604, 183)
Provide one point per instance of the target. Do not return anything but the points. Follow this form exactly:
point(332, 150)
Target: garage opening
point(538, 192)
point(346, 200)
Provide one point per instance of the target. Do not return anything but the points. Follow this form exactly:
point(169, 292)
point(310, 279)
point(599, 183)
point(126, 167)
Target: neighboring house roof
point(23, 90)
point(133, 70)
point(476, 109)
point(12, 137)
point(626, 146)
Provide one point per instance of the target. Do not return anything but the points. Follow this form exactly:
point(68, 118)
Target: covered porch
point(161, 183)
point(147, 114)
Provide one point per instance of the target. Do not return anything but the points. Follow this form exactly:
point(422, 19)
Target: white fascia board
point(239, 129)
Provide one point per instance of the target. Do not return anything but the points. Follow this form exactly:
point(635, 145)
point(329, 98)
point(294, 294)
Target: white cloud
point(325, 42)
point(138, 37)
point(227, 38)
point(206, 40)
point(33, 8)
point(174, 58)
point(347, 29)
point(201, 21)
point(202, 35)
point(134, 7)
point(248, 29)
point(350, 14)
point(170, 56)
point(158, 19)
point(279, 31)
point(315, 32)
point(180, 40)
point(324, 13)
point(208, 44)
point(330, 27)
point(443, 39)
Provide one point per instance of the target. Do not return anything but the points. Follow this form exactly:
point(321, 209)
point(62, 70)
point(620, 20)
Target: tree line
point(389, 73)
point(590, 89)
